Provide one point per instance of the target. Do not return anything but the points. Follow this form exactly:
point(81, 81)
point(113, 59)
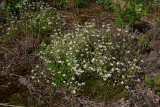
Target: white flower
point(59, 61)
point(104, 79)
point(74, 68)
point(32, 70)
point(134, 60)
point(129, 62)
point(113, 58)
point(37, 66)
point(138, 67)
point(85, 66)
point(49, 23)
point(117, 69)
point(132, 68)
point(119, 30)
point(138, 80)
point(111, 64)
point(112, 69)
point(122, 82)
point(82, 54)
point(38, 81)
point(73, 78)
point(100, 46)
point(44, 27)
point(93, 60)
point(100, 73)
point(103, 25)
point(69, 64)
point(83, 83)
point(126, 87)
point(32, 77)
point(128, 51)
point(122, 63)
point(109, 43)
point(142, 61)
point(108, 75)
point(81, 71)
point(73, 91)
point(107, 30)
point(79, 84)
point(123, 69)
point(123, 76)
point(77, 65)
point(53, 84)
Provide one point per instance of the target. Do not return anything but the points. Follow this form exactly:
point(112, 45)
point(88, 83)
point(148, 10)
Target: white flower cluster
point(88, 49)
point(36, 18)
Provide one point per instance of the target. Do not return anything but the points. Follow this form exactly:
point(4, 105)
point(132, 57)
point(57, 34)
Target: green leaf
point(145, 12)
point(50, 65)
point(18, 5)
point(48, 49)
point(118, 7)
point(158, 93)
point(149, 85)
point(8, 7)
point(147, 78)
point(138, 38)
point(155, 79)
point(42, 44)
point(138, 7)
point(158, 79)
point(57, 81)
point(72, 104)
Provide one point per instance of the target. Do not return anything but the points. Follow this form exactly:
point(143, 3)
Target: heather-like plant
point(34, 19)
point(91, 61)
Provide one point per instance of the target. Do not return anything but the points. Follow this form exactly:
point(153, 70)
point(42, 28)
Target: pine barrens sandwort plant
point(34, 19)
point(91, 61)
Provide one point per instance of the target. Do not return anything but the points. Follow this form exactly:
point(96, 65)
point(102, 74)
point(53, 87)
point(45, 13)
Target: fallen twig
point(7, 105)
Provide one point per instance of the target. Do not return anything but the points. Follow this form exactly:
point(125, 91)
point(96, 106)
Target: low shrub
point(91, 61)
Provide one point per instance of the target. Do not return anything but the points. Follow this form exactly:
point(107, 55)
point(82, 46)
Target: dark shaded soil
point(15, 63)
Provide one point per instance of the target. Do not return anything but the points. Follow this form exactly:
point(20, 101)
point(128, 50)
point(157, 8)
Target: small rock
point(156, 99)
point(23, 80)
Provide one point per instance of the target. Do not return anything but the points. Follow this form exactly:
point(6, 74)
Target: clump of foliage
point(35, 18)
point(60, 3)
point(64, 4)
point(157, 19)
point(143, 41)
point(154, 84)
point(91, 61)
point(131, 13)
point(106, 3)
